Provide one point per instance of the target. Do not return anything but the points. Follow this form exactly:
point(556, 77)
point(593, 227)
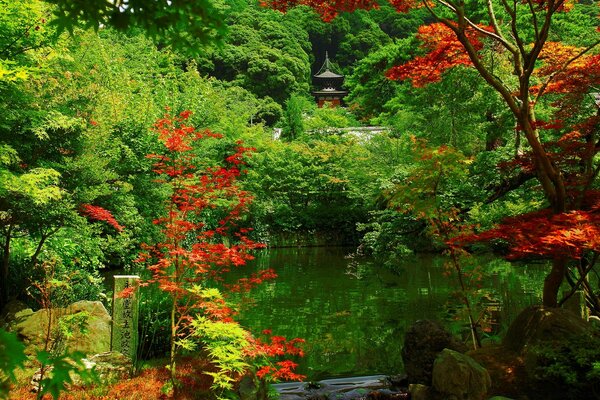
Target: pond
point(353, 313)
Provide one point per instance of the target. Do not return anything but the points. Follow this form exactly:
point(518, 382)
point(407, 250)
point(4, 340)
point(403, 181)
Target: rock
point(12, 313)
point(506, 369)
point(33, 329)
point(419, 392)
point(385, 394)
point(107, 367)
point(356, 394)
point(251, 388)
point(110, 365)
point(458, 376)
point(37, 376)
point(540, 324)
point(318, 396)
point(398, 381)
point(422, 343)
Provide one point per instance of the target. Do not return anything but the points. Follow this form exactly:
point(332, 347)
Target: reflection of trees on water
point(353, 312)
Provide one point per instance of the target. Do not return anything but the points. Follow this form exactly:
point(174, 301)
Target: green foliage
point(426, 181)
point(24, 30)
point(567, 370)
point(68, 325)
point(293, 119)
point(154, 322)
point(59, 371)
point(319, 184)
point(365, 37)
point(224, 342)
point(322, 120)
point(265, 52)
point(390, 235)
point(181, 24)
point(12, 356)
point(369, 89)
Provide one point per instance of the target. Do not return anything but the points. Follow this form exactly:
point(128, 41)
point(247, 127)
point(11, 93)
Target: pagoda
point(329, 82)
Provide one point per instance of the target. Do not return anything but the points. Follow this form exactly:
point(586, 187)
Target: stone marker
point(124, 338)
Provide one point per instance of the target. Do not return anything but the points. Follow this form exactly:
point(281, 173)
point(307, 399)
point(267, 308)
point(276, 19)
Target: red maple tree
point(204, 236)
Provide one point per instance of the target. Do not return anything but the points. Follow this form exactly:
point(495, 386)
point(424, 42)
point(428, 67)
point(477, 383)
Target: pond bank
point(343, 388)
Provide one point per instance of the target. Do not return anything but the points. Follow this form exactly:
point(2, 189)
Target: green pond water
point(353, 313)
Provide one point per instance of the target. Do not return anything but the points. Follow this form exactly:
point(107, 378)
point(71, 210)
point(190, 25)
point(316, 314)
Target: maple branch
point(538, 45)
point(562, 69)
point(492, 80)
point(559, 4)
point(518, 40)
point(494, 22)
point(445, 21)
point(534, 19)
point(446, 4)
point(499, 37)
point(19, 37)
point(581, 279)
point(508, 185)
point(493, 19)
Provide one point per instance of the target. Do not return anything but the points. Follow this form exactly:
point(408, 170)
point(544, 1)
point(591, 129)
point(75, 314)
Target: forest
point(165, 165)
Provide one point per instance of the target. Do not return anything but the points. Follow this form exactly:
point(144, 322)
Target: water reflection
point(353, 313)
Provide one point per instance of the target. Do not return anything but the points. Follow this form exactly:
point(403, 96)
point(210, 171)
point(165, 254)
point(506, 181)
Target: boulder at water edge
point(538, 324)
point(457, 376)
point(419, 392)
point(422, 343)
point(33, 329)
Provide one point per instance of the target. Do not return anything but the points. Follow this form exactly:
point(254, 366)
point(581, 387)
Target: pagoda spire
point(327, 66)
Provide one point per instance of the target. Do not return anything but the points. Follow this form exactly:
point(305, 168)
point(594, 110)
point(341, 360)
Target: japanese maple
point(97, 213)
point(204, 238)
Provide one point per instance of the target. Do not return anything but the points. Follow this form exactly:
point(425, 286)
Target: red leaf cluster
point(277, 346)
point(580, 74)
point(97, 213)
point(282, 370)
point(547, 235)
point(443, 51)
point(247, 284)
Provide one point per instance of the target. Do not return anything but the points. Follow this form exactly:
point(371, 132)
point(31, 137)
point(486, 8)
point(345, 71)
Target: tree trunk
point(4, 268)
point(553, 281)
point(38, 250)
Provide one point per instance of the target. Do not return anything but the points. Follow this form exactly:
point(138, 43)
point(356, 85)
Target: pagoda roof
point(328, 75)
point(325, 71)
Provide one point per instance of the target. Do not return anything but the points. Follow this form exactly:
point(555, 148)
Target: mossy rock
point(423, 341)
point(33, 329)
point(457, 375)
point(538, 324)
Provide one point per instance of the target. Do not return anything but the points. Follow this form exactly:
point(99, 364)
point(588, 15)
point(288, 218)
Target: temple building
point(330, 85)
